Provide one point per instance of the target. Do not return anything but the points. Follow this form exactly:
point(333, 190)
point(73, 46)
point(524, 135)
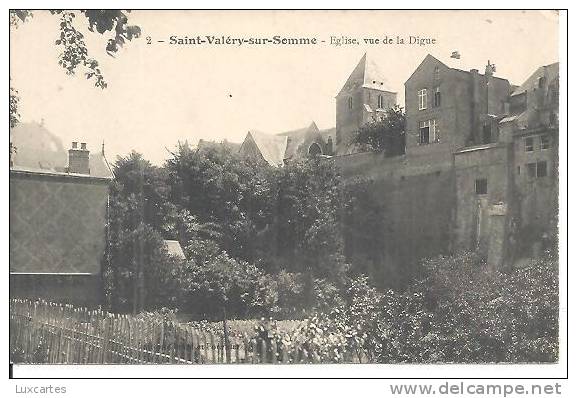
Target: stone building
point(280, 148)
point(479, 172)
point(508, 190)
point(365, 95)
point(58, 216)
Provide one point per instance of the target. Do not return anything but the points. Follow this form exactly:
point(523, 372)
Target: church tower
point(365, 95)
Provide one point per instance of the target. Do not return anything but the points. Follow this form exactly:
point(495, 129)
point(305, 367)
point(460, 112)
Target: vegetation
point(259, 241)
point(75, 54)
point(385, 133)
point(266, 243)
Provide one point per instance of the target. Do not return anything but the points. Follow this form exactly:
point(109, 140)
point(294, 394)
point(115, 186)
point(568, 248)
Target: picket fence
point(45, 332)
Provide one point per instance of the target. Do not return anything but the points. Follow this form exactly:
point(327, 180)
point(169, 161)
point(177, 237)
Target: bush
point(462, 312)
point(224, 284)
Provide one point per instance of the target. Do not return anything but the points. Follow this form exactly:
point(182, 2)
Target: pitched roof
point(367, 74)
point(297, 137)
point(430, 58)
point(550, 72)
point(174, 249)
point(38, 150)
point(271, 147)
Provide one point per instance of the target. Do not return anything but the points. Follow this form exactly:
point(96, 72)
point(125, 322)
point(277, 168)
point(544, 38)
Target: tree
point(74, 51)
point(385, 133)
point(138, 210)
point(221, 189)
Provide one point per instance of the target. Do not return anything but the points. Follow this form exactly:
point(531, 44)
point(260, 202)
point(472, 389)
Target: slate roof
point(40, 151)
point(367, 74)
point(550, 72)
point(297, 137)
point(271, 147)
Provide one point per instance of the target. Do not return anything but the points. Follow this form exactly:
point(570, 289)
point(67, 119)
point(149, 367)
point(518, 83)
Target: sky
point(159, 94)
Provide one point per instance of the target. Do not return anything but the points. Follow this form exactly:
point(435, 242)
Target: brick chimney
point(79, 159)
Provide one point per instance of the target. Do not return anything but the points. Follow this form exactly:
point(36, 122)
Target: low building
point(58, 217)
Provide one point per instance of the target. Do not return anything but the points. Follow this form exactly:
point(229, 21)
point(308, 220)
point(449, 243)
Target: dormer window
point(380, 102)
point(422, 95)
point(350, 102)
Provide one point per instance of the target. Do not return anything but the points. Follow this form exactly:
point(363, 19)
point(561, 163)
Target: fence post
point(254, 347)
point(212, 347)
point(284, 353)
point(246, 346)
point(273, 349)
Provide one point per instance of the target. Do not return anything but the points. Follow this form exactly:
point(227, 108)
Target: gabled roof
point(550, 72)
point(272, 147)
point(367, 74)
point(40, 151)
point(430, 58)
point(297, 137)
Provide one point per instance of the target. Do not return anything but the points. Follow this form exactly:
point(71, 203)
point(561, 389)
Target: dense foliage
point(458, 312)
point(386, 133)
point(264, 242)
point(259, 241)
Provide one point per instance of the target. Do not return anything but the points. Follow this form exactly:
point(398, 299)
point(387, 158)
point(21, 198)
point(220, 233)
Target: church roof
point(367, 74)
point(297, 137)
point(40, 151)
point(549, 72)
point(272, 147)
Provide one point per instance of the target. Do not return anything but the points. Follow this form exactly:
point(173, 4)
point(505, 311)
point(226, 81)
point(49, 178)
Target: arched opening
point(315, 149)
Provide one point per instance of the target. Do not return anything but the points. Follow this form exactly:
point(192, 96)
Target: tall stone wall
point(404, 212)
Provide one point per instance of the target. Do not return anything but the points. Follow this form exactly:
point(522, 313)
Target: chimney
point(490, 69)
point(475, 106)
point(79, 159)
point(329, 150)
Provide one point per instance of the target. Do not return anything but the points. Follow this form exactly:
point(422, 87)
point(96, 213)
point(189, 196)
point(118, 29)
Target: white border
point(395, 371)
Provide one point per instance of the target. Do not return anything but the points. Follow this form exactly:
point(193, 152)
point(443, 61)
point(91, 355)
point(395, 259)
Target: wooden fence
point(44, 332)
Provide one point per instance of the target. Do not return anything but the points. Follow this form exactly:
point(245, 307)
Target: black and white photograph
point(285, 187)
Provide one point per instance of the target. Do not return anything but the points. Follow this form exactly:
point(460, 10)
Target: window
point(486, 133)
point(531, 170)
point(350, 102)
point(424, 132)
point(529, 144)
point(541, 169)
point(422, 94)
point(545, 142)
point(380, 103)
point(434, 130)
point(436, 73)
point(428, 132)
point(481, 186)
point(437, 98)
point(315, 149)
point(519, 170)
